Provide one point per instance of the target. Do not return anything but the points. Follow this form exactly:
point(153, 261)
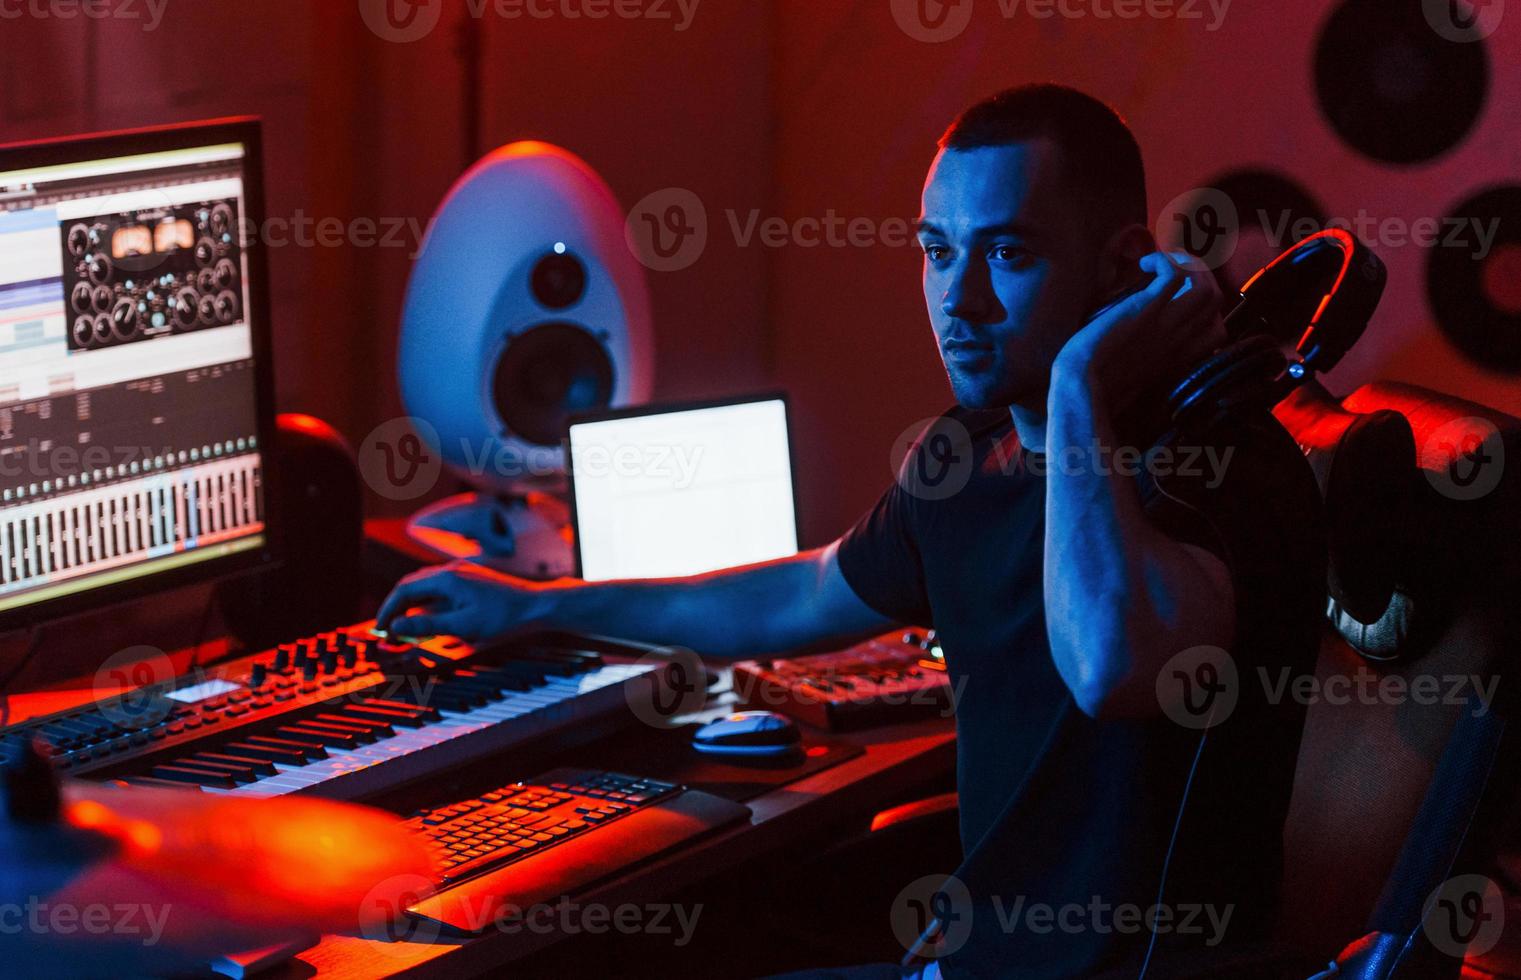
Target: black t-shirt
point(1058, 809)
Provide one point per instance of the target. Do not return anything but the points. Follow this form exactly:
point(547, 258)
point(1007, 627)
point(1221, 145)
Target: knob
point(187, 308)
point(226, 274)
point(99, 268)
point(227, 306)
point(205, 253)
point(208, 310)
point(82, 298)
point(79, 240)
point(282, 657)
point(258, 675)
point(329, 660)
point(221, 220)
point(124, 320)
point(309, 671)
point(84, 331)
point(102, 299)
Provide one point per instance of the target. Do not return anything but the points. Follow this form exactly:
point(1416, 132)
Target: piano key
point(379, 729)
point(273, 753)
point(326, 738)
point(431, 714)
point(189, 774)
point(308, 749)
point(362, 735)
point(261, 766)
point(391, 716)
point(239, 773)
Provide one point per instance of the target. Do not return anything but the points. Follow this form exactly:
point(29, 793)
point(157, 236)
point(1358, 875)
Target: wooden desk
point(897, 759)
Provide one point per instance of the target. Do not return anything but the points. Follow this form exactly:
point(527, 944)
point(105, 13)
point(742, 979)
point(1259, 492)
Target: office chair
point(1394, 797)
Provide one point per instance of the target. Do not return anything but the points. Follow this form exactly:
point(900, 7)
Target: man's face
point(1009, 271)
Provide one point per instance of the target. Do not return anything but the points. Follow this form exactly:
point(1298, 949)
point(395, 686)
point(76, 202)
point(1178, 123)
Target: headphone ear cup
point(1226, 377)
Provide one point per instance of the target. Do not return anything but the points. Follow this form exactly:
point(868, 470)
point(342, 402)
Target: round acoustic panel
point(1392, 86)
point(1473, 278)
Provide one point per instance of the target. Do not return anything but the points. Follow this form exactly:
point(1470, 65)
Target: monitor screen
point(130, 401)
point(662, 493)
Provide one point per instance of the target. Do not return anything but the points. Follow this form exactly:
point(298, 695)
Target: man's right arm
point(760, 609)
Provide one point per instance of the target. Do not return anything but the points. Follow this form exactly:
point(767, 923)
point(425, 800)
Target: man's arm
point(1121, 596)
point(757, 609)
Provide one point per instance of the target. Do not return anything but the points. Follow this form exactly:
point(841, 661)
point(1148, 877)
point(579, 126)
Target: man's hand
point(463, 600)
point(1151, 337)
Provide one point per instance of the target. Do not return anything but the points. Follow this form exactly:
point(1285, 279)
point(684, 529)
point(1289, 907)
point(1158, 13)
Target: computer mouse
point(749, 733)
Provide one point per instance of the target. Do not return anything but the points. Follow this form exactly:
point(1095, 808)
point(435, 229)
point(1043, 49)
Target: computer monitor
point(136, 401)
point(661, 492)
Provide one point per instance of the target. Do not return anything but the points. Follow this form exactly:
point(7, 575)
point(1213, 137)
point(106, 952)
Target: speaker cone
point(548, 374)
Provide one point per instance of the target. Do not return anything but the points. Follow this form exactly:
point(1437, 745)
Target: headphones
point(1324, 290)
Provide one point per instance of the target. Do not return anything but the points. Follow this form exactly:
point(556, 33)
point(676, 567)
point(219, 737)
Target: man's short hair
point(1100, 158)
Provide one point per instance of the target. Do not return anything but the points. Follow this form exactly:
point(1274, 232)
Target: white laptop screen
point(684, 491)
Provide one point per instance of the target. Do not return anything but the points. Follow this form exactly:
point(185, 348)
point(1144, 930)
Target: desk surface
point(896, 760)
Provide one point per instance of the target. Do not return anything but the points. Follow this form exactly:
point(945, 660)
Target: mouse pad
point(668, 754)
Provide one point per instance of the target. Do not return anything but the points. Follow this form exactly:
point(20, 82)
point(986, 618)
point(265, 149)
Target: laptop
point(665, 491)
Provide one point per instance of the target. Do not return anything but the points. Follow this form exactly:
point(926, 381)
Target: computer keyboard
point(557, 835)
point(498, 827)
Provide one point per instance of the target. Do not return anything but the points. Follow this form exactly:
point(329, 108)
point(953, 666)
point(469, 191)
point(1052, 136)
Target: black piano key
point(376, 727)
point(241, 773)
point(507, 682)
point(362, 736)
point(148, 782)
point(406, 719)
point(274, 753)
point(334, 739)
point(309, 749)
point(429, 713)
point(533, 673)
point(188, 774)
point(261, 766)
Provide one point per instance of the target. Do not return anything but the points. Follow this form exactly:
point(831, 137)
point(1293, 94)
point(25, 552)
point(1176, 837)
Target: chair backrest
point(1424, 516)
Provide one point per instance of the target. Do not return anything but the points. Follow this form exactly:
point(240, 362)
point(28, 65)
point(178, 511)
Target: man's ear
point(1120, 258)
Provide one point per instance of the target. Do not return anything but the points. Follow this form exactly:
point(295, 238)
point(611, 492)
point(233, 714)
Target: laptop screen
point(667, 492)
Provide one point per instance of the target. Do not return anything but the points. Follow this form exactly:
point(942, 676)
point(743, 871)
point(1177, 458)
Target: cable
point(1173, 842)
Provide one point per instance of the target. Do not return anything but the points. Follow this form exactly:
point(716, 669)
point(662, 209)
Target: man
point(1062, 586)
